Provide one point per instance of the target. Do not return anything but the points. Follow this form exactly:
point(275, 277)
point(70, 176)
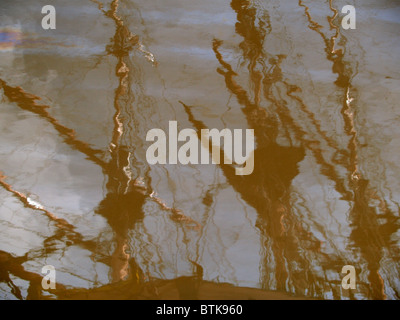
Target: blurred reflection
point(369, 233)
point(290, 137)
point(122, 206)
point(128, 180)
point(267, 189)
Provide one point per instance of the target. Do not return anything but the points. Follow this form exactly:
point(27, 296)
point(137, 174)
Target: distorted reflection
point(78, 193)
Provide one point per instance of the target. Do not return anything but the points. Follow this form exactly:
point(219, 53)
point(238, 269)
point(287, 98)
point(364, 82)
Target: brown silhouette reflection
point(126, 194)
point(292, 258)
point(368, 234)
point(122, 206)
point(267, 188)
point(10, 264)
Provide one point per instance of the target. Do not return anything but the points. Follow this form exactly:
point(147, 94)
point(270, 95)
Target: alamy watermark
point(349, 20)
point(349, 280)
point(189, 151)
point(49, 280)
point(49, 20)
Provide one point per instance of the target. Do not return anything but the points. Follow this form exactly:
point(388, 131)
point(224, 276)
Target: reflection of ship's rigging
point(267, 189)
point(123, 204)
point(126, 194)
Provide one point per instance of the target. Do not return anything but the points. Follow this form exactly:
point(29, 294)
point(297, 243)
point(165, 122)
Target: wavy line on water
point(27, 101)
point(368, 234)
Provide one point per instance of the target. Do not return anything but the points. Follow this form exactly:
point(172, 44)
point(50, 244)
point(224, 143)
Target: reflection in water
point(267, 190)
point(369, 235)
point(126, 189)
point(301, 250)
point(123, 203)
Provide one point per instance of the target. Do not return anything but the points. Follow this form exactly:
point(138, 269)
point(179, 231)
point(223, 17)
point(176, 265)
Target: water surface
point(76, 191)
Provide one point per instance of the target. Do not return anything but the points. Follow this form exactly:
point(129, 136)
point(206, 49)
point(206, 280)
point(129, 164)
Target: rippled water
point(76, 189)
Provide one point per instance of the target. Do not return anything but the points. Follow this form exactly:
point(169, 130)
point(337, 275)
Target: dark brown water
point(77, 192)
